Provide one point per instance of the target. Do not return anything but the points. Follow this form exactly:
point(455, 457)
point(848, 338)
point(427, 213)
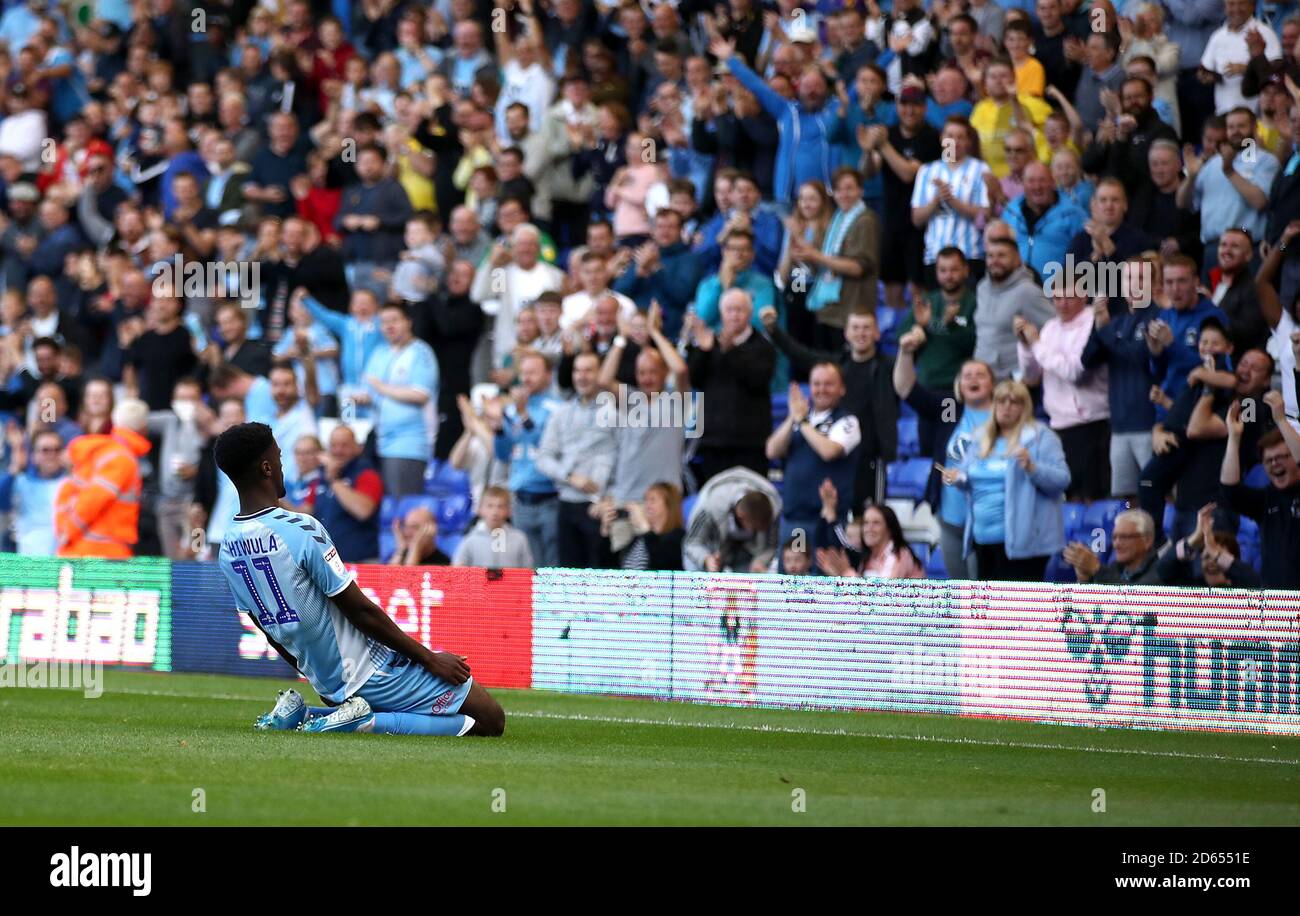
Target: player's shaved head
point(241, 449)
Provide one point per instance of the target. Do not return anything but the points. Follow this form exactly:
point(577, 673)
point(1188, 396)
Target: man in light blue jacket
point(806, 151)
point(1044, 222)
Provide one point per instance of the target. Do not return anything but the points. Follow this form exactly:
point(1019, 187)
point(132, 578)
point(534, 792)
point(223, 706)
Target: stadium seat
point(442, 479)
point(1073, 520)
point(1058, 570)
point(1101, 514)
point(1248, 539)
point(687, 505)
point(387, 511)
point(922, 551)
point(887, 320)
point(1256, 477)
point(905, 409)
point(1168, 522)
point(448, 543)
point(907, 479)
point(934, 566)
point(454, 514)
point(909, 446)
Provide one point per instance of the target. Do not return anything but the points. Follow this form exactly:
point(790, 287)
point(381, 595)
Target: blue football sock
point(414, 723)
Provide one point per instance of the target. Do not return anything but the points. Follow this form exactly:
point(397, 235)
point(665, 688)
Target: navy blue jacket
point(1122, 347)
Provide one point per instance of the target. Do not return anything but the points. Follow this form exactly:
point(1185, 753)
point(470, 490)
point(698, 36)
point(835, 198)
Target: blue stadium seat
point(1073, 520)
point(1168, 522)
point(1256, 477)
point(907, 479)
point(887, 319)
point(687, 505)
point(454, 514)
point(1059, 571)
point(387, 511)
point(922, 551)
point(905, 409)
point(1101, 514)
point(934, 567)
point(780, 408)
point(441, 479)
point(448, 543)
point(1248, 533)
point(909, 445)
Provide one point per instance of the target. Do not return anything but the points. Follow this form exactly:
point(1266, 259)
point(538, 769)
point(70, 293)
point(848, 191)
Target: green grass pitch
point(137, 754)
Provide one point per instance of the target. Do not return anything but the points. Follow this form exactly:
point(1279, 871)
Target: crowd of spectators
point(660, 284)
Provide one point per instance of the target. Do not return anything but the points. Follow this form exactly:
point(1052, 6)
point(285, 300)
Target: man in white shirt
point(294, 417)
point(1227, 53)
point(594, 275)
point(513, 277)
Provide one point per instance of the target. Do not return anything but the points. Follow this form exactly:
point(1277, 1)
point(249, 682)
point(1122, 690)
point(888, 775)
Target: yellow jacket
point(993, 122)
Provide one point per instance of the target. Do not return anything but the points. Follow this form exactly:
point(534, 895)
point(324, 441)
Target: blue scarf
point(828, 286)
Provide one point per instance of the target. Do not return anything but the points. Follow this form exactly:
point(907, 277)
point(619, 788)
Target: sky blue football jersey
point(283, 569)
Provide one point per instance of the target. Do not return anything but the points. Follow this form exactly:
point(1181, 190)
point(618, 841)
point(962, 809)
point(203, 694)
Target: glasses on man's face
point(1017, 150)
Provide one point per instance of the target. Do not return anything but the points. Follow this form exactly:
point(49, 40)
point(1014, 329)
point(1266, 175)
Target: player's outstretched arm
point(367, 617)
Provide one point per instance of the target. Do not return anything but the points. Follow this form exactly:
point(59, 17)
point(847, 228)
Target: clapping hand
point(798, 403)
point(834, 561)
point(830, 498)
point(1085, 562)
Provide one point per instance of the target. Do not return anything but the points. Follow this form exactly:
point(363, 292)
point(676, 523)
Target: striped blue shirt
point(947, 227)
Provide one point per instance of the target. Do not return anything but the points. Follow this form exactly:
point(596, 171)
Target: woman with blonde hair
point(1016, 476)
point(808, 222)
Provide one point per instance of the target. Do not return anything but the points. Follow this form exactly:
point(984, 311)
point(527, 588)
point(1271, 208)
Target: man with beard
point(1122, 144)
point(805, 152)
point(1233, 290)
point(1044, 222)
point(1230, 186)
point(942, 324)
point(451, 322)
point(537, 161)
point(1008, 291)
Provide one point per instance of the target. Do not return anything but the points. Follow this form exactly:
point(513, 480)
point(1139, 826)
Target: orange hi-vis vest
point(97, 509)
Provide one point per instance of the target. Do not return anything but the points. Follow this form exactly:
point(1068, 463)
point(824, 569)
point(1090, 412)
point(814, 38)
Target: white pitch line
point(831, 732)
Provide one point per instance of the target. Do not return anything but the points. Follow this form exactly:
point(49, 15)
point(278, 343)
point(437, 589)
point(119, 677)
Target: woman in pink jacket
point(629, 190)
